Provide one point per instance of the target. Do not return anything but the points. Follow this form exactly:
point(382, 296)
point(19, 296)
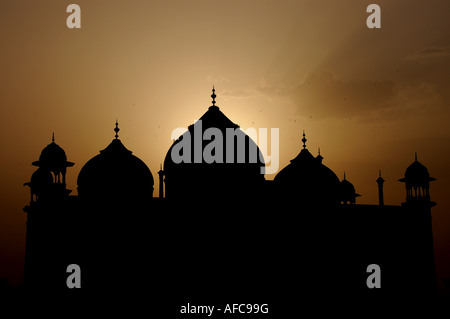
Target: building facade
point(220, 229)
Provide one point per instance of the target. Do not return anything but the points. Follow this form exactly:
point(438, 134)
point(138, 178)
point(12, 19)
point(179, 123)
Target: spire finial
point(415, 156)
point(117, 129)
point(304, 139)
point(380, 179)
point(53, 137)
point(213, 95)
point(319, 151)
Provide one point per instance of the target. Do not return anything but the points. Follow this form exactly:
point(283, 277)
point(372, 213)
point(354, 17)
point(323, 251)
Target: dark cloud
point(324, 95)
point(429, 65)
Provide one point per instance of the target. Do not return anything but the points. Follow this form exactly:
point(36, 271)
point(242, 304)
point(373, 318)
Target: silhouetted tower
point(47, 205)
point(418, 204)
point(380, 182)
point(161, 182)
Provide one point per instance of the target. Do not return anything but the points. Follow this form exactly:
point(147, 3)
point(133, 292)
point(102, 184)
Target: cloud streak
point(430, 52)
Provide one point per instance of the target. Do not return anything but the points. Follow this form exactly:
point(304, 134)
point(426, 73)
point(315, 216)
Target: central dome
point(115, 174)
point(237, 168)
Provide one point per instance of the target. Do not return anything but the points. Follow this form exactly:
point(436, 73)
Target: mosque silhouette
point(220, 232)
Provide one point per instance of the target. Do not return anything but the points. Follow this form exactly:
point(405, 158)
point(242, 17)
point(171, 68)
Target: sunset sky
point(369, 98)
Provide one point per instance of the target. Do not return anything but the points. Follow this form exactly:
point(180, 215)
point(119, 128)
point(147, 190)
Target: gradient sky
point(369, 98)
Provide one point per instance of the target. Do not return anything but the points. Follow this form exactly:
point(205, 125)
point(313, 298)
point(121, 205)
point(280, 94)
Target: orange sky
point(368, 98)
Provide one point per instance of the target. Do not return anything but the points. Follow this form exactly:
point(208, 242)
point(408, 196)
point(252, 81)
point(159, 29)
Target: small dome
point(53, 157)
point(115, 174)
point(307, 179)
point(53, 153)
point(347, 187)
point(348, 192)
point(417, 174)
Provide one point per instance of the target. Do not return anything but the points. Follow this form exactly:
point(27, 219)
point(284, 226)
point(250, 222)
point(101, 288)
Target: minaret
point(418, 205)
point(48, 194)
point(161, 182)
point(380, 182)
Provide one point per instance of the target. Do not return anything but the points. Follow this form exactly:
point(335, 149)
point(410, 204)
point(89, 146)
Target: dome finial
point(319, 157)
point(415, 156)
point(380, 172)
point(213, 95)
point(344, 174)
point(304, 139)
point(117, 129)
point(53, 137)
